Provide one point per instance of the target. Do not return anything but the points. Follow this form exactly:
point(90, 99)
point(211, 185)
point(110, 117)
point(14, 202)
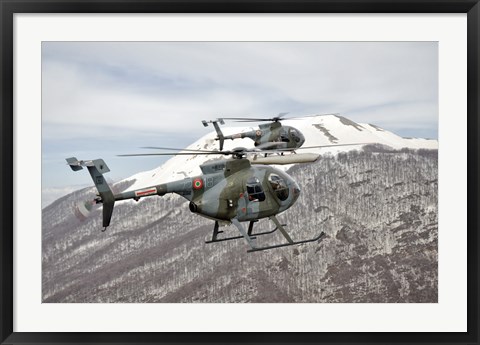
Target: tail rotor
point(83, 209)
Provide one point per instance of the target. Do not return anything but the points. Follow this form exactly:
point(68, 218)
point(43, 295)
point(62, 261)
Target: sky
point(101, 99)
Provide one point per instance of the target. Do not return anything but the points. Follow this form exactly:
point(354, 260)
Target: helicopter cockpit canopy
point(279, 186)
point(295, 135)
point(255, 190)
point(284, 136)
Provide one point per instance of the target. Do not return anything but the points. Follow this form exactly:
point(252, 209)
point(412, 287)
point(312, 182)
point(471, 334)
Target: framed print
point(260, 172)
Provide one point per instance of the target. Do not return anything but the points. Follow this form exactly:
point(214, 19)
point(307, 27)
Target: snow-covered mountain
point(318, 131)
point(378, 208)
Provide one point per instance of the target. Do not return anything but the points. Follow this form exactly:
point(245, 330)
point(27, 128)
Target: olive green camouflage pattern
point(229, 190)
point(267, 137)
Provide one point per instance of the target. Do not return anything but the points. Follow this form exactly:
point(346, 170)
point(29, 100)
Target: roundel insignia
point(197, 183)
point(258, 133)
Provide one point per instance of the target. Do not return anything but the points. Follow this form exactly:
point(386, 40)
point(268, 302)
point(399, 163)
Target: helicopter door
point(255, 190)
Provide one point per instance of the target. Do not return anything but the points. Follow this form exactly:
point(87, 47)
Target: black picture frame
point(9, 7)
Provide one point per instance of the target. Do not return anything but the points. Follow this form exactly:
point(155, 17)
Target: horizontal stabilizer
point(74, 164)
point(77, 165)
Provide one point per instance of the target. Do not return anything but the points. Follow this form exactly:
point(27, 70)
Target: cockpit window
point(255, 190)
point(279, 186)
point(294, 135)
point(284, 136)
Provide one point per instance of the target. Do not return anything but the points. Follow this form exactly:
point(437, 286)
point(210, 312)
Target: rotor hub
point(239, 152)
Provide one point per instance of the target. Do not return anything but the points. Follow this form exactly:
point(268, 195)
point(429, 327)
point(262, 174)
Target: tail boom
point(98, 167)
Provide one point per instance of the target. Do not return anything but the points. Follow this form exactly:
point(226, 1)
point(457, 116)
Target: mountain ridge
point(378, 207)
point(318, 130)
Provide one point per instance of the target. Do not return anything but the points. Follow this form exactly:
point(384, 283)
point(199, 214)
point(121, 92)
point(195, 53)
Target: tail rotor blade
point(83, 209)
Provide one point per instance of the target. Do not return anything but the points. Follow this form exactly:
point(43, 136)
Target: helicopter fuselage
point(230, 189)
point(273, 136)
point(247, 194)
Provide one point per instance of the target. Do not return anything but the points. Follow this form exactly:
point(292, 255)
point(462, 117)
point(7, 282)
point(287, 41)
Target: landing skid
point(250, 236)
point(250, 233)
point(257, 249)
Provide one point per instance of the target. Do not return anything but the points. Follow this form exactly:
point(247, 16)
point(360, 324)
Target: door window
point(255, 190)
point(279, 186)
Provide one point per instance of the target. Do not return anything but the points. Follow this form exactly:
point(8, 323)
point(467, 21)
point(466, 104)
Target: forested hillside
point(378, 208)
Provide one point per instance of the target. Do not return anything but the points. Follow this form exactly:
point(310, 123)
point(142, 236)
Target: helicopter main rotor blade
point(321, 146)
point(316, 115)
point(247, 119)
point(235, 152)
point(175, 154)
point(286, 159)
point(280, 116)
point(175, 149)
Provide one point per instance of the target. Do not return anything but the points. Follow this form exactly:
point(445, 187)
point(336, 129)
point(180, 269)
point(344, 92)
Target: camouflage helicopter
point(232, 190)
point(268, 136)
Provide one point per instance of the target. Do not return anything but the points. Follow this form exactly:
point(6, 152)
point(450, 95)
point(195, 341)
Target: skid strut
point(290, 242)
point(249, 233)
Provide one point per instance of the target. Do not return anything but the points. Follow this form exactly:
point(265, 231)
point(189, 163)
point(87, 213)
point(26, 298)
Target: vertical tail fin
point(97, 168)
point(220, 135)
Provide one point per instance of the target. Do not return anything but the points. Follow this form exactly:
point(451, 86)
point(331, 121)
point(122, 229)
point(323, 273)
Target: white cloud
point(125, 92)
point(141, 81)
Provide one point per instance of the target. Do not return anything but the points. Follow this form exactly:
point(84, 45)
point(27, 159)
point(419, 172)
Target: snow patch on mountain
point(318, 131)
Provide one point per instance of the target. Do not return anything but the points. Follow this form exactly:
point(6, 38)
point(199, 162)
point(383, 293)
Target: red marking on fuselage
point(146, 192)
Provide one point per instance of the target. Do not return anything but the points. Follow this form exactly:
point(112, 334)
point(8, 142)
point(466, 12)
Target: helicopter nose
point(302, 140)
point(295, 191)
